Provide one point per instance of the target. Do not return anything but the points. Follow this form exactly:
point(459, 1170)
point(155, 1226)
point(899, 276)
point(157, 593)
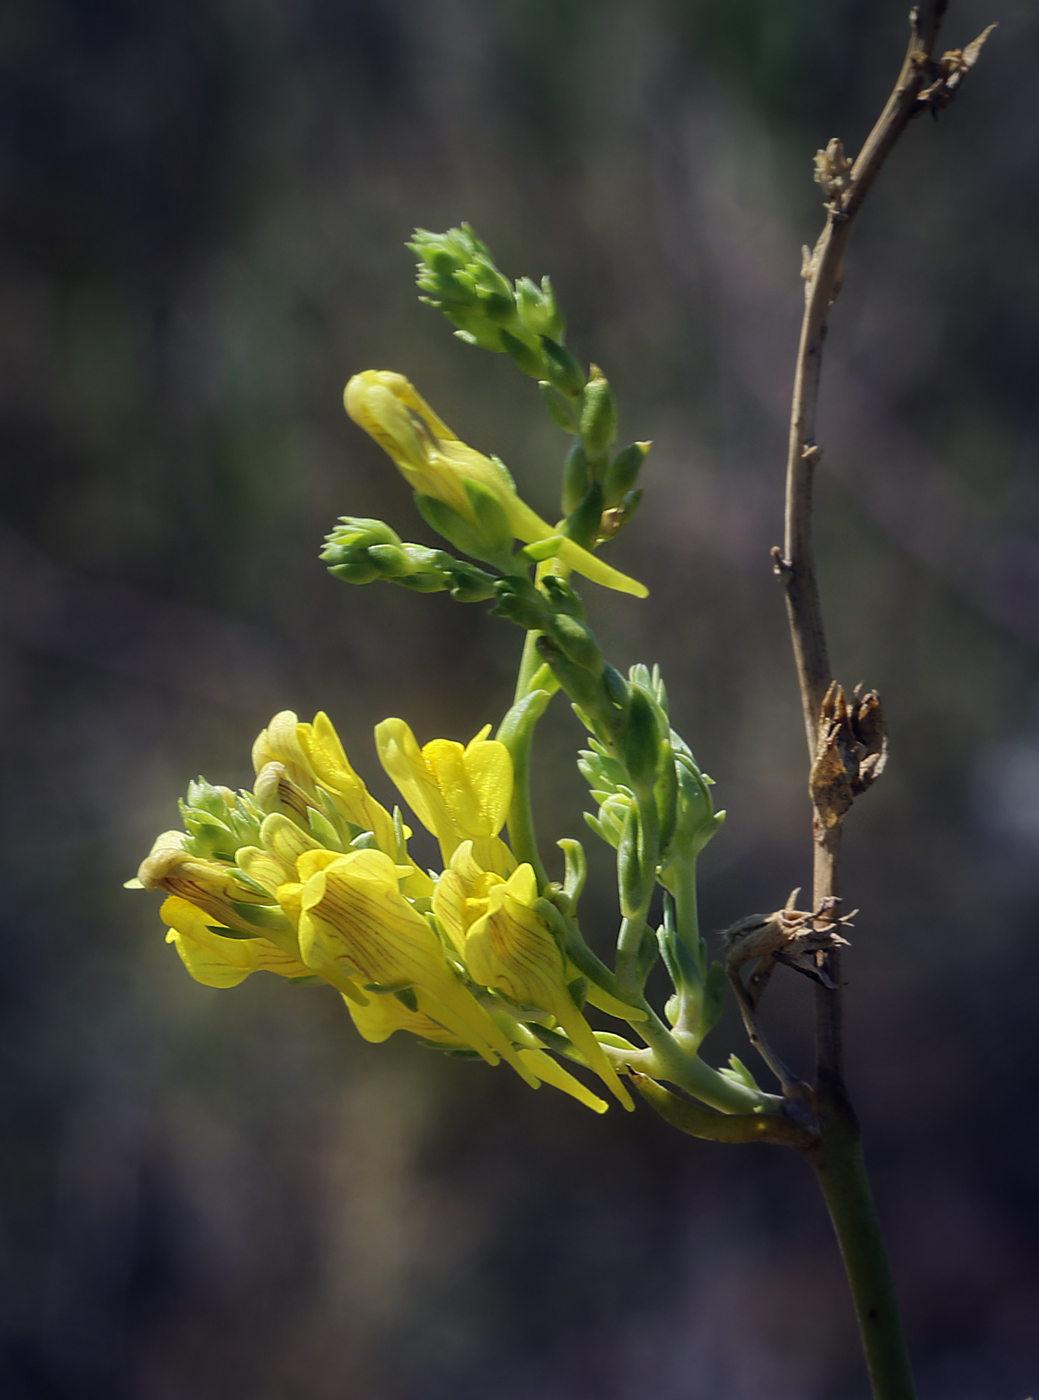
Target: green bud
point(598, 414)
point(740, 1074)
point(208, 836)
point(467, 584)
point(582, 524)
point(529, 360)
point(548, 548)
point(697, 820)
point(665, 794)
point(501, 309)
point(635, 875)
point(560, 409)
point(640, 742)
point(357, 569)
point(600, 770)
point(623, 472)
point(358, 529)
point(392, 561)
point(476, 331)
point(520, 602)
point(562, 597)
point(347, 548)
point(576, 680)
point(490, 280)
point(577, 476)
point(562, 369)
point(424, 583)
point(616, 688)
point(577, 643)
point(538, 309)
point(322, 830)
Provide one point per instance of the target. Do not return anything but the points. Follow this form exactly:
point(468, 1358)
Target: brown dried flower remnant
point(851, 753)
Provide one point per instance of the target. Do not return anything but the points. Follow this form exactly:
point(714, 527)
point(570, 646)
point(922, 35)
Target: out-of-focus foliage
point(205, 211)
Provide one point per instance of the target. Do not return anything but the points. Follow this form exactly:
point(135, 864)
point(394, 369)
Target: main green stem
point(841, 1172)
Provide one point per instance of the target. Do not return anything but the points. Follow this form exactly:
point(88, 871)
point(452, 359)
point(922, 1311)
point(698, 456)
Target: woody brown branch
point(845, 742)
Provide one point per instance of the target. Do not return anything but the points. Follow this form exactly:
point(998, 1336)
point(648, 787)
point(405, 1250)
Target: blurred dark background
point(228, 1194)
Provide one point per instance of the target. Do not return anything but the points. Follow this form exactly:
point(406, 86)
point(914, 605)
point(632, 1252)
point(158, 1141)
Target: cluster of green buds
point(360, 551)
point(457, 275)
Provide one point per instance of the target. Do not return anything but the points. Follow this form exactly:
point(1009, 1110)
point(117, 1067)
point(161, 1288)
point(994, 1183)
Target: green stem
point(667, 1058)
point(841, 1171)
point(517, 734)
point(687, 923)
point(629, 945)
point(530, 663)
point(693, 1118)
point(687, 915)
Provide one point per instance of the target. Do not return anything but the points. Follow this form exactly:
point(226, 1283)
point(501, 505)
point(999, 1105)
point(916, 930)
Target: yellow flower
point(510, 948)
point(459, 794)
point(315, 761)
point(220, 960)
point(352, 916)
point(436, 463)
point(211, 885)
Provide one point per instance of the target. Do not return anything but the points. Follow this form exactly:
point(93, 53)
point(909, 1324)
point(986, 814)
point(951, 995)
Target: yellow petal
point(285, 839)
point(402, 759)
point(278, 743)
point(383, 1015)
point(264, 867)
point(460, 897)
point(335, 775)
point(550, 1071)
point(488, 766)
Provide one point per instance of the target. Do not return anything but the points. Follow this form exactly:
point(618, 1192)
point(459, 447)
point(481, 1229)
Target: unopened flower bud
point(582, 524)
point(520, 602)
point(538, 309)
point(561, 410)
point(622, 473)
point(562, 369)
point(577, 643)
point(640, 740)
point(562, 597)
point(577, 476)
point(598, 414)
point(529, 360)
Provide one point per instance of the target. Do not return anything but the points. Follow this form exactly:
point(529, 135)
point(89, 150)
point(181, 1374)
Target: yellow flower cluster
point(308, 876)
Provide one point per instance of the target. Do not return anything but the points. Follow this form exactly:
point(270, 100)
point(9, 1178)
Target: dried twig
point(924, 83)
point(846, 739)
